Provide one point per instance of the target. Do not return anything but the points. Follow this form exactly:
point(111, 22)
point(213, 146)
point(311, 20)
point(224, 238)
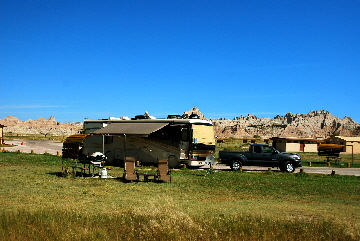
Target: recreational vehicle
point(181, 141)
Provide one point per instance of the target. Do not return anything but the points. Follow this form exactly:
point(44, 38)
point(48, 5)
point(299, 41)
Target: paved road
point(53, 147)
point(319, 170)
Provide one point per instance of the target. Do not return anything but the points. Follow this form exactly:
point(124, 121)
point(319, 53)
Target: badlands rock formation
point(312, 125)
point(41, 126)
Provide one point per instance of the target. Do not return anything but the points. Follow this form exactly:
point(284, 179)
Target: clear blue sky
point(76, 59)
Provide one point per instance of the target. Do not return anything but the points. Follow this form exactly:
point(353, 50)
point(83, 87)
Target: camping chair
point(163, 170)
point(129, 170)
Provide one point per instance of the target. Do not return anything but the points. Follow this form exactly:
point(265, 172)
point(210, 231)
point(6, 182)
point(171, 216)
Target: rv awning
point(131, 128)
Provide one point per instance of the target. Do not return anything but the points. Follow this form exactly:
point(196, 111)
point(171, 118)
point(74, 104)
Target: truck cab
point(261, 155)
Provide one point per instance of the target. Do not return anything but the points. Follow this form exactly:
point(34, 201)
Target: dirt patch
point(35, 146)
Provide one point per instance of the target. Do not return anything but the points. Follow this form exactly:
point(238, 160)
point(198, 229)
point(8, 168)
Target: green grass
point(37, 203)
point(13, 136)
point(316, 160)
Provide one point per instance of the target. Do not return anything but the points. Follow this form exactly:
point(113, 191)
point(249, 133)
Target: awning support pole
point(124, 146)
point(103, 144)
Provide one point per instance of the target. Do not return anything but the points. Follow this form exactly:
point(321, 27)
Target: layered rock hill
point(314, 124)
point(41, 126)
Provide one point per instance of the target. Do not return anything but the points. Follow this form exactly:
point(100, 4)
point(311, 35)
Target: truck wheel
point(235, 165)
point(288, 167)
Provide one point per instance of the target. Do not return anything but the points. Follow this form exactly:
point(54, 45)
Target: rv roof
point(177, 121)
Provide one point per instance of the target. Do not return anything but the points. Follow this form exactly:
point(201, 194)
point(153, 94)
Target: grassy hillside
point(37, 203)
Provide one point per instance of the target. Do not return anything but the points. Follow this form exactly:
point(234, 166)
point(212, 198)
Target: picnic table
point(338, 160)
point(92, 168)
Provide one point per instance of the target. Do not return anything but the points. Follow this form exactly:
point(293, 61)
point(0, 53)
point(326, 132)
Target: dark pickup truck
point(260, 155)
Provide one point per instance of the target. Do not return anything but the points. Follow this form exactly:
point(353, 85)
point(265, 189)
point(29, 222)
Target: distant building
point(351, 144)
point(2, 134)
point(251, 140)
point(295, 144)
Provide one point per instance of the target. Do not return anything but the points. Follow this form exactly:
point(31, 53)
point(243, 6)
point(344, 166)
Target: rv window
point(108, 139)
point(184, 134)
point(203, 147)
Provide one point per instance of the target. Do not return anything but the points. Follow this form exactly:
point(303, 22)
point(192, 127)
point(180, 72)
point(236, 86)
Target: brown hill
point(41, 126)
point(311, 125)
point(315, 124)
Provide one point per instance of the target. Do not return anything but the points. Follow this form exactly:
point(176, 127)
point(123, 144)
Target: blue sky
point(96, 59)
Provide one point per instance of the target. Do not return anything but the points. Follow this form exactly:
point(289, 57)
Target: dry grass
point(38, 204)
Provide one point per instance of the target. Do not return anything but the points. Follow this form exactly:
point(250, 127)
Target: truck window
point(257, 149)
point(267, 149)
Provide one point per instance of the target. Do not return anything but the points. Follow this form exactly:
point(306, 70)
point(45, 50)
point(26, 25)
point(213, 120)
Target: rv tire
point(173, 161)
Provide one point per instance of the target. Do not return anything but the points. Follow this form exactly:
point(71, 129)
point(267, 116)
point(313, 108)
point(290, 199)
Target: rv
point(181, 141)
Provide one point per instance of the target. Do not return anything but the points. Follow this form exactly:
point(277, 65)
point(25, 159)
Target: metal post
point(352, 153)
point(103, 144)
point(124, 146)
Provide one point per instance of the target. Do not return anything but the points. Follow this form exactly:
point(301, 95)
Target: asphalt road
point(54, 147)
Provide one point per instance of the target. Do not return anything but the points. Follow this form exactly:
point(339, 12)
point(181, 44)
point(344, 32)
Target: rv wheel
point(173, 161)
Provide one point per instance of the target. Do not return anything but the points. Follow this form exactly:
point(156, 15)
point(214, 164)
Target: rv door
point(184, 143)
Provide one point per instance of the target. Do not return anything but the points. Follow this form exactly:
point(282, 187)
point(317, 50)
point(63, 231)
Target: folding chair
point(163, 170)
point(129, 170)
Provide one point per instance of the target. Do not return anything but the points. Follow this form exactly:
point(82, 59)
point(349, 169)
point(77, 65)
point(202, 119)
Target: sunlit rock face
point(314, 124)
point(41, 126)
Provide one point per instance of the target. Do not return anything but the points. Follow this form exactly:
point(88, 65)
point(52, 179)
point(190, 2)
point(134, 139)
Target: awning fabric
point(130, 128)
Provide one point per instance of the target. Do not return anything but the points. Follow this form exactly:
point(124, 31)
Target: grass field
point(38, 203)
point(14, 136)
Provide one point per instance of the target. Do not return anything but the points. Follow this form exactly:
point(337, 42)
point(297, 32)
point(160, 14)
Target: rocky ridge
point(314, 124)
point(41, 126)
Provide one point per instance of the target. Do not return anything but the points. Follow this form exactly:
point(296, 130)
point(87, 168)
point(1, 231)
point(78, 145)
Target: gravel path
point(38, 146)
point(318, 170)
